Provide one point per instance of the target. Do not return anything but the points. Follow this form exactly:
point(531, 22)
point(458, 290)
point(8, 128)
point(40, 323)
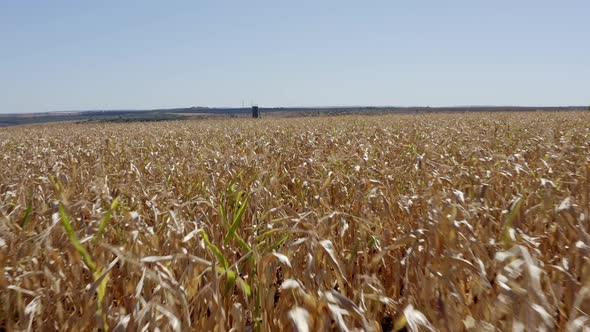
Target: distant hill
point(206, 112)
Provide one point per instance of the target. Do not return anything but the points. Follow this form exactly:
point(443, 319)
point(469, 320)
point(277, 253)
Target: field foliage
point(443, 222)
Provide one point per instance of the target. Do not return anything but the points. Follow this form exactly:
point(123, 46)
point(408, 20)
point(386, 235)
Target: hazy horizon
point(293, 107)
point(72, 56)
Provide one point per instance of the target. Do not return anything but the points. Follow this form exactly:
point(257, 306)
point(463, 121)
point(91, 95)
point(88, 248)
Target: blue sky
point(72, 55)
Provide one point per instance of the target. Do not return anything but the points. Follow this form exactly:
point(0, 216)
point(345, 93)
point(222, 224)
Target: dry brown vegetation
point(445, 222)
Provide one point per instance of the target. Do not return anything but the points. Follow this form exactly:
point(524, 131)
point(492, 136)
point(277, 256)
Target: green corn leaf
point(243, 244)
point(234, 279)
point(244, 287)
point(230, 282)
point(106, 219)
point(236, 221)
point(238, 200)
point(102, 287)
point(260, 237)
point(74, 239)
point(221, 207)
point(215, 250)
point(28, 214)
point(279, 242)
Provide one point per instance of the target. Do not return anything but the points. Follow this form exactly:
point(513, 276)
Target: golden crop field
point(444, 222)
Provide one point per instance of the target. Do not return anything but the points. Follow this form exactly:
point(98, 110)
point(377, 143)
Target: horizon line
point(290, 106)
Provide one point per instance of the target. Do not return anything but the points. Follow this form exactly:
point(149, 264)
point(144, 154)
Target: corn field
point(441, 222)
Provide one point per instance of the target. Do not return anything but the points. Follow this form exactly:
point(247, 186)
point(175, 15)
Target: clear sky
point(74, 55)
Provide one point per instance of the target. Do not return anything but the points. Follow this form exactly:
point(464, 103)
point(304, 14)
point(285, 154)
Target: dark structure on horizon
point(255, 112)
